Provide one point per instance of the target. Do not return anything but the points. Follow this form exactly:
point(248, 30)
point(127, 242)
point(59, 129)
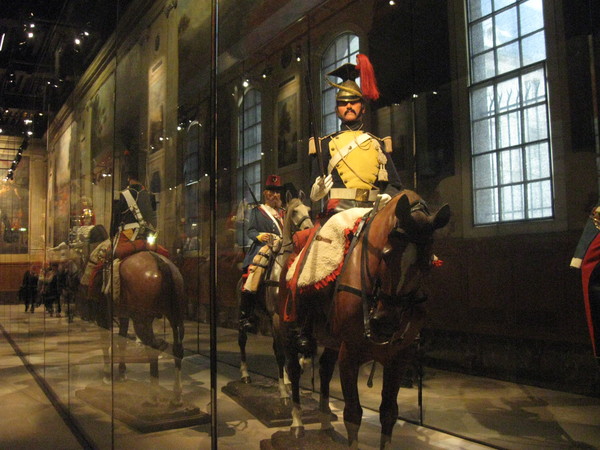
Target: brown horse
point(380, 279)
point(151, 287)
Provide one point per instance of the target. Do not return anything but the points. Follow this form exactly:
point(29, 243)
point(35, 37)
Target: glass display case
point(190, 108)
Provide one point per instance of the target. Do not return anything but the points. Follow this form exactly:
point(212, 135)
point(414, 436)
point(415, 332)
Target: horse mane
point(287, 221)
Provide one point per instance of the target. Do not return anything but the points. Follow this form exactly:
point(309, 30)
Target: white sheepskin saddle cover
point(326, 253)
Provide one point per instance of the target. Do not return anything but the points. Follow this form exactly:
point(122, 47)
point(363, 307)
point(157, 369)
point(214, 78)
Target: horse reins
point(284, 248)
point(369, 300)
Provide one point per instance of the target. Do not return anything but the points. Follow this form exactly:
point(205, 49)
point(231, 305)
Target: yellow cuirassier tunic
point(359, 168)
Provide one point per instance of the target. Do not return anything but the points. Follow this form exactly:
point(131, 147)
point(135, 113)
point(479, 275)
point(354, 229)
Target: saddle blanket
point(326, 252)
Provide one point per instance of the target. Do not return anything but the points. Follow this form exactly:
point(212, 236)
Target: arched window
point(342, 50)
point(250, 146)
point(248, 161)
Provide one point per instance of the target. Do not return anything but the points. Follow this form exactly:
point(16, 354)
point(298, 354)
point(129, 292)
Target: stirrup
point(306, 345)
point(246, 325)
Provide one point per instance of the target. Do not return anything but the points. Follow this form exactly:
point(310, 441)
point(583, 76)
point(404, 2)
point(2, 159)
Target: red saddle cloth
point(300, 240)
point(127, 247)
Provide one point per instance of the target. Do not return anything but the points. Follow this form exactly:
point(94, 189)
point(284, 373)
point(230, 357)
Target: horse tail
point(168, 287)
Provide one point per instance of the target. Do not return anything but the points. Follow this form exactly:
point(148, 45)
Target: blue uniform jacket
point(259, 222)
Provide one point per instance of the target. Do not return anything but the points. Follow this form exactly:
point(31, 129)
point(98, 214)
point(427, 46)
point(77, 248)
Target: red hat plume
point(368, 83)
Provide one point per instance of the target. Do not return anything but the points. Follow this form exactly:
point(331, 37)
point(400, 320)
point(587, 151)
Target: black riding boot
point(247, 318)
point(305, 342)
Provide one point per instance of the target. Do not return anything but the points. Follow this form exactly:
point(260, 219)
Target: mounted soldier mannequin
point(264, 229)
point(134, 219)
point(359, 166)
point(133, 228)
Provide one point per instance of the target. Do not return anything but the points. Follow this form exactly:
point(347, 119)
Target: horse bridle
point(297, 225)
point(369, 300)
point(302, 220)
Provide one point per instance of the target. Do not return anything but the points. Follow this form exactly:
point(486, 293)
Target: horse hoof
point(176, 403)
point(297, 432)
point(286, 401)
point(246, 380)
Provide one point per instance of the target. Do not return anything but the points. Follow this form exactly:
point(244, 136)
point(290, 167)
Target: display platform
point(261, 399)
point(311, 440)
point(133, 407)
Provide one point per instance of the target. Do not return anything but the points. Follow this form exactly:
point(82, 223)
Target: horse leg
point(143, 329)
point(106, 355)
point(122, 346)
point(349, 367)
point(326, 367)
point(242, 339)
point(294, 371)
point(102, 315)
point(388, 410)
point(283, 380)
point(178, 331)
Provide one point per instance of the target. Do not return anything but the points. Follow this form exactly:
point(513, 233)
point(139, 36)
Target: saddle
point(320, 262)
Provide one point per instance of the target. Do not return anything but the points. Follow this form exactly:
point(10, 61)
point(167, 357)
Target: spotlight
point(246, 83)
point(298, 53)
point(392, 3)
point(30, 35)
point(77, 41)
point(267, 72)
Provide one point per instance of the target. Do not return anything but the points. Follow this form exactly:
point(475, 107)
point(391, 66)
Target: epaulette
point(312, 148)
point(387, 142)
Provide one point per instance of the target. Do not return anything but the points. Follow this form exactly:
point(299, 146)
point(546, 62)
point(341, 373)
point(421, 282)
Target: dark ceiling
point(40, 59)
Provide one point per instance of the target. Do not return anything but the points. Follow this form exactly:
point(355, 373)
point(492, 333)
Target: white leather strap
point(273, 219)
point(133, 207)
point(361, 195)
point(345, 151)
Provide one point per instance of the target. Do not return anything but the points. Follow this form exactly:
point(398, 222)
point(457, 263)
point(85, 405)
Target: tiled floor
point(68, 357)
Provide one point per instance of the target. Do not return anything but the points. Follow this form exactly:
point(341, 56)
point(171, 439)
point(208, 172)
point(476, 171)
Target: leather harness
point(369, 300)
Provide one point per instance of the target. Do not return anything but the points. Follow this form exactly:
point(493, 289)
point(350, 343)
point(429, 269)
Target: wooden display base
point(133, 407)
point(312, 440)
point(261, 399)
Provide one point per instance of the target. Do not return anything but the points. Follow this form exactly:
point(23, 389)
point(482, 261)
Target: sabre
point(256, 202)
point(311, 115)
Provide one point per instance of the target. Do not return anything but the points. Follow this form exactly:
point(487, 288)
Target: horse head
point(297, 216)
point(406, 254)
